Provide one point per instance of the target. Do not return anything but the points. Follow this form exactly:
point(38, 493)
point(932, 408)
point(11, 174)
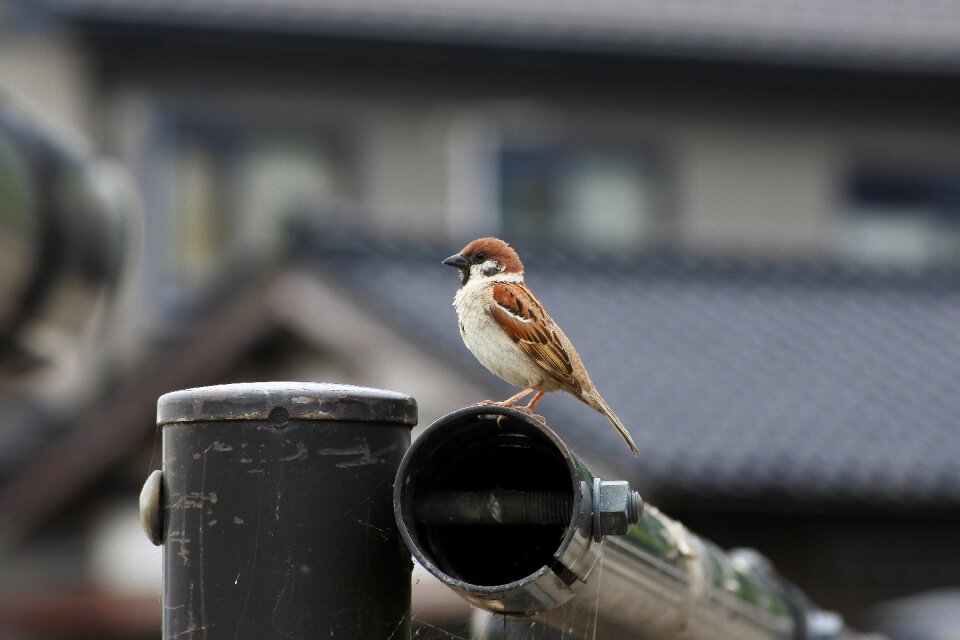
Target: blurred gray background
point(746, 215)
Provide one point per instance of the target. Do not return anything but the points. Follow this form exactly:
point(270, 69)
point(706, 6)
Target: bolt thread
point(548, 507)
point(495, 507)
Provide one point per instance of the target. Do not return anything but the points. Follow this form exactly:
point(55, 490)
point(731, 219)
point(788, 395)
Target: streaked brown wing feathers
point(532, 329)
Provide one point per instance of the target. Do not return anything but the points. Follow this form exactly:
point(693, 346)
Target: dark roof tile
point(921, 34)
point(737, 379)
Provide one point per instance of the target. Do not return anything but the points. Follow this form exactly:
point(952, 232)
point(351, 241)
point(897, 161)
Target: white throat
point(479, 278)
point(478, 281)
point(505, 277)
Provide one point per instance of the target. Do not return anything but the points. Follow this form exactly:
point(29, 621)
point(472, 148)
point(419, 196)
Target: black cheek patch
point(492, 269)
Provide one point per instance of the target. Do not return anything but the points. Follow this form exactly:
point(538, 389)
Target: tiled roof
point(795, 384)
point(818, 383)
point(884, 34)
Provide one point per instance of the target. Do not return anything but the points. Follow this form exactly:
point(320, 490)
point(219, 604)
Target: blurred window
point(236, 187)
point(606, 197)
point(905, 217)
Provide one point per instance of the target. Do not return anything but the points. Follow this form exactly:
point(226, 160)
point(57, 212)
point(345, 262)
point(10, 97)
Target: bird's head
point(486, 258)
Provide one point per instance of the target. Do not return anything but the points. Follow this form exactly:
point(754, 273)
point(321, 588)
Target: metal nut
point(151, 507)
point(616, 507)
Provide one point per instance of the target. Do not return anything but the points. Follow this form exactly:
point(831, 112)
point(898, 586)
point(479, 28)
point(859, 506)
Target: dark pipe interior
point(475, 453)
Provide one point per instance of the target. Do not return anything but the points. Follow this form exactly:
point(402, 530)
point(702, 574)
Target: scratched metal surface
point(290, 400)
point(282, 528)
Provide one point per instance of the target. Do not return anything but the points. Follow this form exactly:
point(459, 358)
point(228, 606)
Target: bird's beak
point(457, 261)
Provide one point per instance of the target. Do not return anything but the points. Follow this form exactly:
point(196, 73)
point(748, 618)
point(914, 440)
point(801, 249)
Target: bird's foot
point(521, 408)
point(536, 417)
point(493, 403)
point(490, 403)
point(529, 412)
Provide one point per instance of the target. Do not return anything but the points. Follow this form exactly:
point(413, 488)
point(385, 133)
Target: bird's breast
point(491, 345)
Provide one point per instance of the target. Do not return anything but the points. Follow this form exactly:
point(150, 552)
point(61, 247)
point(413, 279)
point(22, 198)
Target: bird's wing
point(520, 314)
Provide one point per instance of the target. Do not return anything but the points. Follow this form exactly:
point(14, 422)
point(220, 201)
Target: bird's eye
point(480, 257)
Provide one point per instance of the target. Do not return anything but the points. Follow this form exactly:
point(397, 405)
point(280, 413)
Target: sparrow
point(504, 325)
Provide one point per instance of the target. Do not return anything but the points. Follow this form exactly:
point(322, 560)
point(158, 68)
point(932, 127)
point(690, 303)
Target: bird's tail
point(595, 401)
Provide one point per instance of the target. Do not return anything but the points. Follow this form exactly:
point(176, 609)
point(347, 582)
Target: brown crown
point(496, 249)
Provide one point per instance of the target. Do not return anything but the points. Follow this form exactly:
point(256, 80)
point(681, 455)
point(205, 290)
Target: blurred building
point(823, 130)
point(808, 153)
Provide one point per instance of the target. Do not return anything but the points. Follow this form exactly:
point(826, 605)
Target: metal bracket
point(151, 507)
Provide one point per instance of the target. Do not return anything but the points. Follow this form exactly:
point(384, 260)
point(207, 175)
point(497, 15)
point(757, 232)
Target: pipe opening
point(486, 503)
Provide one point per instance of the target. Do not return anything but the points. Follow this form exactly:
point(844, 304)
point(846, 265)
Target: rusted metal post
point(276, 514)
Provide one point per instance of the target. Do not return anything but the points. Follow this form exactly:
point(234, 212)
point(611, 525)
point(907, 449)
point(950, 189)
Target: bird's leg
point(512, 400)
point(536, 399)
point(509, 402)
point(528, 409)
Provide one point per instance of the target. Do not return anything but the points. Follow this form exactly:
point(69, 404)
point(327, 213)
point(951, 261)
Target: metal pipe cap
point(280, 402)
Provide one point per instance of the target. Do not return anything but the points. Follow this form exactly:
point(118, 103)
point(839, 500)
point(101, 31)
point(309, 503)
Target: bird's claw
point(529, 412)
point(490, 403)
point(521, 408)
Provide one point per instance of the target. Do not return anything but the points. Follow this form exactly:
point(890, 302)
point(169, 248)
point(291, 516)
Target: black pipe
point(276, 517)
point(521, 564)
point(491, 501)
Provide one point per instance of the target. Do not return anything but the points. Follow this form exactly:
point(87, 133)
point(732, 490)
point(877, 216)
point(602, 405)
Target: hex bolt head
point(151, 507)
point(616, 507)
